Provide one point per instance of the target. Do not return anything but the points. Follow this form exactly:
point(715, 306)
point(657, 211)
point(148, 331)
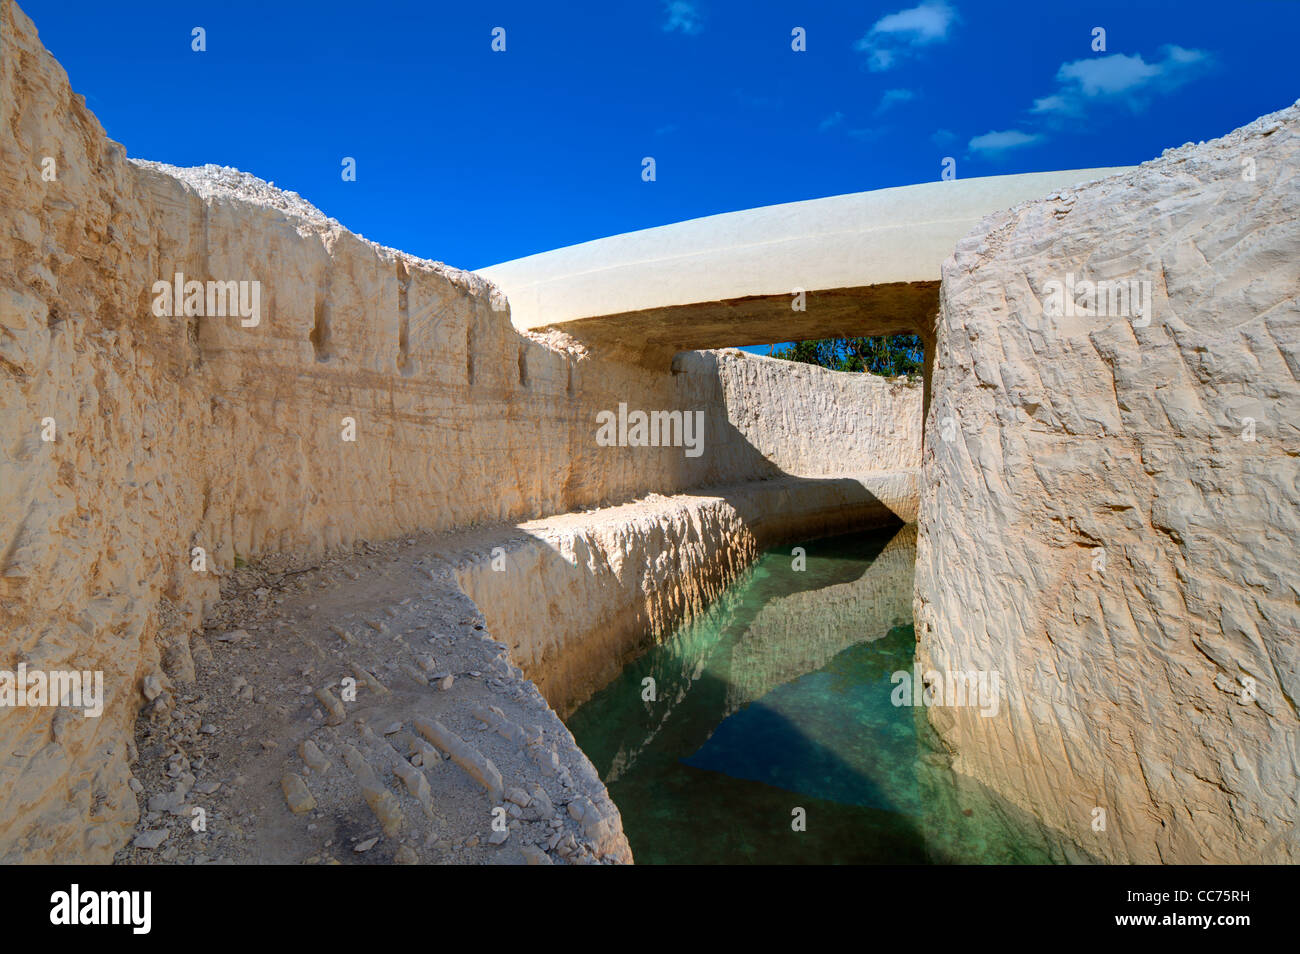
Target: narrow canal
point(766, 729)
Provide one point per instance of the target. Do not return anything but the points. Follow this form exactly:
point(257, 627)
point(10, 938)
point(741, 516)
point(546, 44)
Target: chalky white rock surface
point(173, 433)
point(1160, 686)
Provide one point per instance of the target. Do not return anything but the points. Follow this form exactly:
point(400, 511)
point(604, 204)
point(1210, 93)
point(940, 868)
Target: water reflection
point(777, 699)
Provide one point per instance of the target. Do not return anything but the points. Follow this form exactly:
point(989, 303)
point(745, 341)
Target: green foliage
point(889, 355)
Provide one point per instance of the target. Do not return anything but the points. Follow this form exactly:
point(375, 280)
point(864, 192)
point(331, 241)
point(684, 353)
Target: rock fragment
point(405, 855)
point(150, 840)
point(535, 856)
point(313, 757)
point(382, 802)
point(296, 794)
point(474, 763)
point(334, 711)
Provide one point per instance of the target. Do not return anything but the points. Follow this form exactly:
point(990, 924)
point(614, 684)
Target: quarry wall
point(1110, 504)
point(361, 394)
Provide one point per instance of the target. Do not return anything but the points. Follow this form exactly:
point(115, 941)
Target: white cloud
point(897, 35)
point(1100, 83)
point(881, 60)
point(926, 23)
point(1107, 75)
point(997, 143)
point(1121, 78)
point(683, 17)
point(1055, 103)
point(893, 97)
point(1182, 56)
point(831, 121)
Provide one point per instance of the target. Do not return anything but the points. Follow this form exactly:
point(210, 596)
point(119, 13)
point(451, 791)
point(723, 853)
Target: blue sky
point(472, 157)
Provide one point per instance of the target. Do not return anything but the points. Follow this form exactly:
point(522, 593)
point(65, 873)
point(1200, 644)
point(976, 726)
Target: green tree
point(889, 355)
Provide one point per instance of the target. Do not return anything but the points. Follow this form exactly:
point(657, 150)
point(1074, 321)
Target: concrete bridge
point(867, 262)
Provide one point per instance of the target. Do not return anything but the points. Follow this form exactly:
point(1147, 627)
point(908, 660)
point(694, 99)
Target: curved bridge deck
point(867, 262)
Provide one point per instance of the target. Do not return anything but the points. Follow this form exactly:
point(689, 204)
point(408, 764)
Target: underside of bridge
point(845, 266)
point(651, 337)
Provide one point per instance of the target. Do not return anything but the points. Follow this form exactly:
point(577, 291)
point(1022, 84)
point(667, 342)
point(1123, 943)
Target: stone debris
point(382, 802)
point(214, 181)
point(152, 687)
point(149, 840)
point(426, 754)
point(416, 784)
point(513, 734)
point(343, 634)
point(172, 803)
point(368, 679)
point(541, 803)
point(478, 766)
point(296, 794)
point(313, 757)
point(535, 856)
point(335, 713)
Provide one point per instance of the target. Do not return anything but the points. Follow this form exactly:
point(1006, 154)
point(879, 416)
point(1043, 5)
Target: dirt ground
point(356, 711)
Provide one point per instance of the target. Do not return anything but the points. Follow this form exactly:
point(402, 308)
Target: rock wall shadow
point(740, 733)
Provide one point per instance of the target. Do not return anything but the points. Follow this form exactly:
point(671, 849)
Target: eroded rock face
point(1110, 505)
point(180, 431)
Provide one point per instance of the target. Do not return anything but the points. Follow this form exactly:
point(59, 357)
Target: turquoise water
point(776, 704)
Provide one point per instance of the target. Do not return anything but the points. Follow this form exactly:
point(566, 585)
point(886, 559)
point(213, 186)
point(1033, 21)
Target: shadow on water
point(778, 698)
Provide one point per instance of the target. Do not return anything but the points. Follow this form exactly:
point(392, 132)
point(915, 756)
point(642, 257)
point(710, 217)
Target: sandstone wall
point(175, 433)
point(1160, 685)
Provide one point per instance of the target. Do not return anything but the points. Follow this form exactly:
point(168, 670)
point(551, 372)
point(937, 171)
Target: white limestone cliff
point(1110, 505)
